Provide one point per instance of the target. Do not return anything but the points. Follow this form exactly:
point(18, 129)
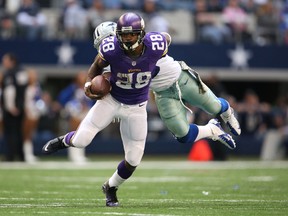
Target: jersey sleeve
point(107, 48)
point(100, 54)
point(157, 43)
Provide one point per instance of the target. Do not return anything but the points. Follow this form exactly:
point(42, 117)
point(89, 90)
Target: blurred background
point(239, 48)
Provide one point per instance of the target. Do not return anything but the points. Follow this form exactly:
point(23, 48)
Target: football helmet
point(130, 23)
point(103, 30)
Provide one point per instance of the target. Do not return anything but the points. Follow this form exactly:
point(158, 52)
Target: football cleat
point(231, 121)
point(111, 197)
point(220, 135)
point(54, 145)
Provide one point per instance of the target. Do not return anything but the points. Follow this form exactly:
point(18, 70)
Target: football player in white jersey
point(175, 83)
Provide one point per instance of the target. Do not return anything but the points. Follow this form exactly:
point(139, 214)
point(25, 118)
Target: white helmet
point(102, 31)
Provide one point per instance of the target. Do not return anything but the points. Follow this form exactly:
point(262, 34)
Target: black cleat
point(111, 197)
point(54, 145)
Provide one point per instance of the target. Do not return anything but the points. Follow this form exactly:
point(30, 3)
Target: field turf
point(157, 188)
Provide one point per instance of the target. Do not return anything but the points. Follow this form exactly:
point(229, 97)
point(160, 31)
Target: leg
point(28, 130)
point(191, 93)
point(173, 114)
point(98, 117)
point(133, 128)
point(13, 137)
point(123, 172)
point(76, 155)
point(207, 101)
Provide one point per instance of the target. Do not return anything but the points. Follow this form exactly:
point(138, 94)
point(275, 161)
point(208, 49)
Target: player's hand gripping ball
point(99, 87)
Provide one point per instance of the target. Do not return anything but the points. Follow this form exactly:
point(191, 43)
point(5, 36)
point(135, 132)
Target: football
point(100, 85)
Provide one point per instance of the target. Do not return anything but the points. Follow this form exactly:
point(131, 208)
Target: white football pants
point(133, 126)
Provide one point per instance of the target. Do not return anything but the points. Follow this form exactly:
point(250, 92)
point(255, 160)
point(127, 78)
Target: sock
point(224, 105)
point(227, 113)
point(196, 133)
point(120, 175)
point(67, 138)
point(204, 132)
point(115, 180)
point(191, 135)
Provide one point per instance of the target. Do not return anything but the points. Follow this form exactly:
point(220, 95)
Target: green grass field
point(157, 188)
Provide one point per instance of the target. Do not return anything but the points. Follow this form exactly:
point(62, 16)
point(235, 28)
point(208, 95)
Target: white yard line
point(76, 213)
point(163, 165)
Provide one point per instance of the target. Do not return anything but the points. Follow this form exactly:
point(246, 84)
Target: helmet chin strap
point(133, 47)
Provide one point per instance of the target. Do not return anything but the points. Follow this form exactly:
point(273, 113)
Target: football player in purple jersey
point(132, 55)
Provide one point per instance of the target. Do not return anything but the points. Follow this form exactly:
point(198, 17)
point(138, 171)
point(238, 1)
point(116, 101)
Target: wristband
point(87, 84)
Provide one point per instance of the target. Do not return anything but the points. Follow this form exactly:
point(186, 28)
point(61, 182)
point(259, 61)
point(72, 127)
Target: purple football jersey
point(130, 79)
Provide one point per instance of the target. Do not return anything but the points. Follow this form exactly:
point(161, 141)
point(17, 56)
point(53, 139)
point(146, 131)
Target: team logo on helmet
point(102, 31)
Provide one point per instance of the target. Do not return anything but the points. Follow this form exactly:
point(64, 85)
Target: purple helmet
point(130, 23)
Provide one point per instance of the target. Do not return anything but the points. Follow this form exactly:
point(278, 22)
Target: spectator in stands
point(273, 147)
point(251, 116)
point(31, 21)
point(249, 6)
point(215, 85)
point(176, 5)
point(7, 25)
point(112, 4)
point(284, 24)
point(86, 3)
point(207, 30)
point(153, 19)
point(237, 21)
point(215, 6)
point(95, 15)
point(267, 22)
point(48, 123)
point(131, 4)
point(75, 20)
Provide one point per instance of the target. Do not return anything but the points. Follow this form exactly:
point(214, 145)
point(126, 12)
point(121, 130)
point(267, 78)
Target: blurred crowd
point(216, 21)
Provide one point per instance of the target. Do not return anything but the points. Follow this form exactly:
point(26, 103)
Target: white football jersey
point(169, 73)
